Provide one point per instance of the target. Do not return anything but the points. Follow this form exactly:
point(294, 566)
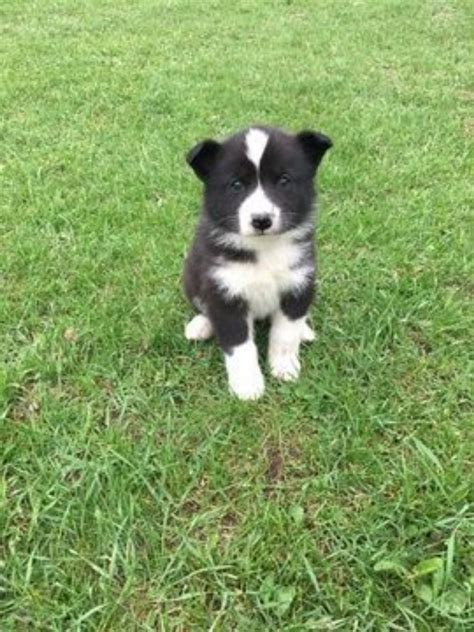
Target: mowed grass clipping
point(135, 493)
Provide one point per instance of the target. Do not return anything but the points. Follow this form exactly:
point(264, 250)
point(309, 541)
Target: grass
point(135, 494)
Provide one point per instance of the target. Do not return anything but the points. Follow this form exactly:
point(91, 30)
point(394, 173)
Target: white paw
point(307, 334)
point(285, 365)
point(199, 328)
point(245, 377)
point(248, 387)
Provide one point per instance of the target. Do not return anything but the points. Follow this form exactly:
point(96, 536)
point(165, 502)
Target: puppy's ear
point(202, 157)
point(315, 145)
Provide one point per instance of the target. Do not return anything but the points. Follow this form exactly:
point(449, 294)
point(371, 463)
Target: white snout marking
point(258, 204)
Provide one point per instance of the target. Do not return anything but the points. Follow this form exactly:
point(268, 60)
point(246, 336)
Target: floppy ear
point(202, 157)
point(315, 145)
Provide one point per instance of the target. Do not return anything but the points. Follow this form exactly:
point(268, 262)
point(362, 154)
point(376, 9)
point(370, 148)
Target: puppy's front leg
point(283, 350)
point(245, 377)
point(288, 329)
point(234, 332)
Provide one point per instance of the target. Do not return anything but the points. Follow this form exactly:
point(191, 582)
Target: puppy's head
point(259, 181)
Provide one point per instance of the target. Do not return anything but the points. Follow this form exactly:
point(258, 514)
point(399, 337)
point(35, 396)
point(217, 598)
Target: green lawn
point(135, 493)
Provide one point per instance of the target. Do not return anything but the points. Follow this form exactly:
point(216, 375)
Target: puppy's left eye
point(237, 185)
point(284, 180)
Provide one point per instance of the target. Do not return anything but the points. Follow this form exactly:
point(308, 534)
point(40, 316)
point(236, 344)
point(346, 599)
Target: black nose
point(261, 222)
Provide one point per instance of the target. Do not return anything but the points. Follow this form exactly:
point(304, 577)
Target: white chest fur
point(281, 266)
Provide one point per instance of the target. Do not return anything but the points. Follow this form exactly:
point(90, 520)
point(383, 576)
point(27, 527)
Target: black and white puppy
point(253, 253)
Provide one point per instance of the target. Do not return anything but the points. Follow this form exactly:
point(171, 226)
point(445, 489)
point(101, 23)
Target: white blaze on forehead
point(256, 140)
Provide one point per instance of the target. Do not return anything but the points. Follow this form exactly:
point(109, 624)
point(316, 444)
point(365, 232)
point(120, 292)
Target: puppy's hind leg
point(199, 328)
point(307, 333)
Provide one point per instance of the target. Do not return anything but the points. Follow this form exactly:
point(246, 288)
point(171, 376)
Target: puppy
point(253, 253)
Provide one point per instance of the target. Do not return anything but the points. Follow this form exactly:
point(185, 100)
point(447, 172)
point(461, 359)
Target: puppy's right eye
point(237, 185)
point(284, 180)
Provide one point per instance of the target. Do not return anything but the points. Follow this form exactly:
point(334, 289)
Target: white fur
point(257, 203)
point(285, 338)
point(261, 283)
point(261, 242)
point(256, 140)
point(243, 371)
point(198, 328)
point(307, 334)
